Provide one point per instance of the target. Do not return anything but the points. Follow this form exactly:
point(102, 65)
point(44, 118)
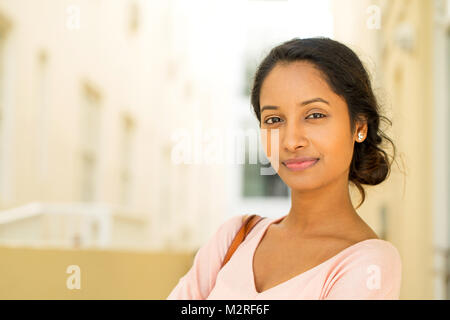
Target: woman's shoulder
point(376, 247)
point(364, 243)
point(230, 225)
point(372, 253)
point(369, 269)
point(227, 230)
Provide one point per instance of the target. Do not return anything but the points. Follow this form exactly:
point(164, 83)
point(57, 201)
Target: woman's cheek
point(270, 141)
point(340, 151)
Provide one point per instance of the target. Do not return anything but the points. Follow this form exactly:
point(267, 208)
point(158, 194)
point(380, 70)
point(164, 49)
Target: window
point(134, 17)
point(257, 185)
point(90, 122)
point(249, 72)
point(125, 156)
point(87, 177)
point(42, 107)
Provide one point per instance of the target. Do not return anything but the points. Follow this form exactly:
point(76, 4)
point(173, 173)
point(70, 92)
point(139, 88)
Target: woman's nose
point(293, 137)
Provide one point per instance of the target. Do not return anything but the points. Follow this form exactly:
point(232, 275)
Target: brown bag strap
point(248, 224)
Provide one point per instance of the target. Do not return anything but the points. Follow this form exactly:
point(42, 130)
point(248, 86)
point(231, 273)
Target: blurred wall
point(90, 94)
point(399, 56)
point(36, 273)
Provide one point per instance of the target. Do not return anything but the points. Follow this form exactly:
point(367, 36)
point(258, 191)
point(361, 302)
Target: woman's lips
point(298, 166)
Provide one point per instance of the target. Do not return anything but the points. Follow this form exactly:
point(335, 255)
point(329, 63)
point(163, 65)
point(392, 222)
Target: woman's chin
point(301, 183)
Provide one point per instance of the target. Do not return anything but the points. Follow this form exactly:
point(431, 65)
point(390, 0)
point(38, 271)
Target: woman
point(318, 97)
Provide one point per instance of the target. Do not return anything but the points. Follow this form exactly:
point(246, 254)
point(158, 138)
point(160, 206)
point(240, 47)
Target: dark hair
point(347, 77)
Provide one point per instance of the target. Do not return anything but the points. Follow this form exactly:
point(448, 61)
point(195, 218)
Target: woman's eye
point(316, 117)
point(267, 121)
point(271, 120)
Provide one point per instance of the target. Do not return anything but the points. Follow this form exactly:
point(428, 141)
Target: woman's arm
point(198, 282)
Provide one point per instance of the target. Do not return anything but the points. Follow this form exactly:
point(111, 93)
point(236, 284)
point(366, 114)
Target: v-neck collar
point(257, 241)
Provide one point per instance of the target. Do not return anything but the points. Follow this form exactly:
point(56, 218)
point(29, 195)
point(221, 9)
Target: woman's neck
point(320, 211)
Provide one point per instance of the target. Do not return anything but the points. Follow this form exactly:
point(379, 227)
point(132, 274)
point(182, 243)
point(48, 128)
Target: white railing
point(72, 225)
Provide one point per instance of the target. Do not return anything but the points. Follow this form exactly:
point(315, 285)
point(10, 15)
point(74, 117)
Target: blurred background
point(92, 205)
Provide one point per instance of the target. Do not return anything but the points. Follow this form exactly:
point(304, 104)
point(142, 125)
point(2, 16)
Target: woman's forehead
point(297, 81)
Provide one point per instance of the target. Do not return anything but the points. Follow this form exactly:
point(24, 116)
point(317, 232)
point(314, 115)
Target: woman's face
point(312, 121)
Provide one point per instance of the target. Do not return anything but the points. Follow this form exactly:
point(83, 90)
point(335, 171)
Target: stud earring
point(360, 136)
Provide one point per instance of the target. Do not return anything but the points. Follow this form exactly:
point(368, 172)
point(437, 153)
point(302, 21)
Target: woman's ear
point(361, 128)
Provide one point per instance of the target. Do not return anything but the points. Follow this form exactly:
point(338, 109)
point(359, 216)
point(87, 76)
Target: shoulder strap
point(247, 226)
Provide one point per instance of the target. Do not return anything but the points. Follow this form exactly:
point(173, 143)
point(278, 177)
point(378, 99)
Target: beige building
point(90, 95)
point(405, 44)
point(93, 96)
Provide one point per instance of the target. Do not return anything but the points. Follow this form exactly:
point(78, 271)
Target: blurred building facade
point(405, 45)
point(96, 93)
point(91, 92)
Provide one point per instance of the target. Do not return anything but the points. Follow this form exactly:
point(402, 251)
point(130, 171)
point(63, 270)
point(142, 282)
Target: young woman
point(317, 94)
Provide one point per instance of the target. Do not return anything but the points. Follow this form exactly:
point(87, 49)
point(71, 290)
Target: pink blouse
point(369, 269)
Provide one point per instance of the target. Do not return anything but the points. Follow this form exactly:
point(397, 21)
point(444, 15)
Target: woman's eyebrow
point(304, 103)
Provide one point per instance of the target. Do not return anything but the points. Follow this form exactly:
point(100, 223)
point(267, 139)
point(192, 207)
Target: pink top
point(369, 269)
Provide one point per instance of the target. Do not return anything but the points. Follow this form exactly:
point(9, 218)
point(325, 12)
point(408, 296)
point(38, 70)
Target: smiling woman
point(330, 89)
point(316, 94)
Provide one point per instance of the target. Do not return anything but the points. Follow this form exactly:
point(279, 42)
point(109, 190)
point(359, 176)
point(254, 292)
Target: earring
point(360, 136)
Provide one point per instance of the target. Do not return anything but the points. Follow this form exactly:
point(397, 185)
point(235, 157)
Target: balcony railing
point(72, 225)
